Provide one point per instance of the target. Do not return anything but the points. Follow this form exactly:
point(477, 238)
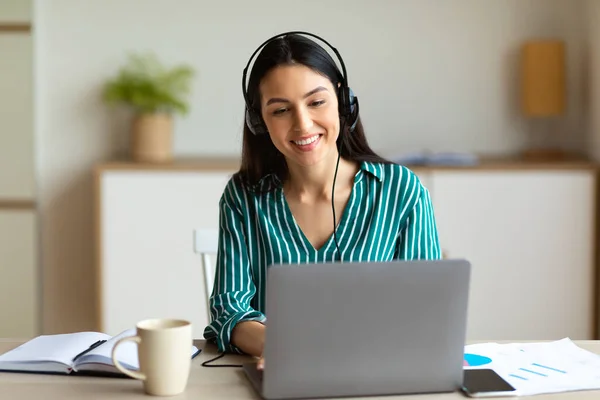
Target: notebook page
point(60, 348)
point(127, 353)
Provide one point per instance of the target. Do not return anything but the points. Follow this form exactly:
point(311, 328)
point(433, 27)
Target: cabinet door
point(529, 236)
point(19, 289)
point(148, 266)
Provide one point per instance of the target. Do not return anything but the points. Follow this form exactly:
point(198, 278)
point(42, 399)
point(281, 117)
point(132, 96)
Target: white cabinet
point(148, 267)
point(529, 234)
point(19, 288)
point(530, 238)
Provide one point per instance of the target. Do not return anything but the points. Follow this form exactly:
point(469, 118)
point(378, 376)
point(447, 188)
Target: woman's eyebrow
point(282, 100)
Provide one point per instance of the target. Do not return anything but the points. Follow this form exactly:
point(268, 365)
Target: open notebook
point(62, 354)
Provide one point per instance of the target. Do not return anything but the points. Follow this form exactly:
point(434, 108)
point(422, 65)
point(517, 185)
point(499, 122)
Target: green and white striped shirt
point(389, 216)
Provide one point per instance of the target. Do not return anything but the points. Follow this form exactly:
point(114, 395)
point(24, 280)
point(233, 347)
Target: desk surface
point(204, 383)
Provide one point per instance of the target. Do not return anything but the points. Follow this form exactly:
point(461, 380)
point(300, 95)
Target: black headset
point(348, 102)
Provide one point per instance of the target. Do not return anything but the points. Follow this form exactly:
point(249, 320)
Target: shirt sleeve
point(233, 287)
point(419, 240)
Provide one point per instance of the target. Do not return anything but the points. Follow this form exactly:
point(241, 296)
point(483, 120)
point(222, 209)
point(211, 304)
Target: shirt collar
point(371, 168)
point(269, 181)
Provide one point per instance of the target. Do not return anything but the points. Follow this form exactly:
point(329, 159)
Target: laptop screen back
point(352, 329)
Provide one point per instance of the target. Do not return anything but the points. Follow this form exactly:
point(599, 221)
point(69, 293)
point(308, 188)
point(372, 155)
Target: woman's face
point(300, 110)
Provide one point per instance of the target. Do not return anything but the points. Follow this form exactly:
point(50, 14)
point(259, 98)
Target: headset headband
point(337, 54)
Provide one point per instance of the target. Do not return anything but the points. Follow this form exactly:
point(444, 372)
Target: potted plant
point(156, 94)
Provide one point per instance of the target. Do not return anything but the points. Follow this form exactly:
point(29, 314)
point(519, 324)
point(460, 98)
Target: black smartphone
point(485, 383)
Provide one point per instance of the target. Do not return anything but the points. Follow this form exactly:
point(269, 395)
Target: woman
point(301, 136)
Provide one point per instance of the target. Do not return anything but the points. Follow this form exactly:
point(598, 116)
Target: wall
point(592, 93)
point(19, 268)
point(429, 75)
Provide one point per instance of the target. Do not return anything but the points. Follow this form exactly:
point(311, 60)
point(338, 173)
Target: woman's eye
point(316, 103)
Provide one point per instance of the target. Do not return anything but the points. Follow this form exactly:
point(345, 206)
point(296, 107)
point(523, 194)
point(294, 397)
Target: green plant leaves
point(150, 87)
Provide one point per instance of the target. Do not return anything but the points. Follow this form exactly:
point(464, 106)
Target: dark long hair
point(260, 157)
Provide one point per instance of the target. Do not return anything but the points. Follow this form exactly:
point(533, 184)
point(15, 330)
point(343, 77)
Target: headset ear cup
point(348, 107)
point(351, 102)
point(255, 123)
point(343, 99)
point(355, 113)
point(248, 122)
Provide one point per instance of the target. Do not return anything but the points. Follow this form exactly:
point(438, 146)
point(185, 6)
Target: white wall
point(429, 74)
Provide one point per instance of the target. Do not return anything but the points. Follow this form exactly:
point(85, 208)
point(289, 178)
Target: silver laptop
point(364, 329)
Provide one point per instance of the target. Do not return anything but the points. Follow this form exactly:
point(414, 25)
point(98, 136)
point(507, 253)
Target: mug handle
point(120, 367)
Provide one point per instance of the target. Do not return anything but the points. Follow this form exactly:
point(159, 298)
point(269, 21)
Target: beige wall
point(19, 268)
point(592, 71)
point(429, 74)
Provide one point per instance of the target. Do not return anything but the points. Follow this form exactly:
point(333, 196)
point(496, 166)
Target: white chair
point(206, 243)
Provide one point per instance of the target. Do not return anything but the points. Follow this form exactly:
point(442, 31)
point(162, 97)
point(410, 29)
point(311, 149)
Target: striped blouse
point(389, 216)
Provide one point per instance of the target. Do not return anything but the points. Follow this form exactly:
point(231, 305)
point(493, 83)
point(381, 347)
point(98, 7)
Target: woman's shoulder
point(395, 175)
point(238, 190)
point(401, 186)
point(234, 192)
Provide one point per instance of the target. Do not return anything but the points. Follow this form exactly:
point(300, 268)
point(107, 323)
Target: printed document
point(537, 368)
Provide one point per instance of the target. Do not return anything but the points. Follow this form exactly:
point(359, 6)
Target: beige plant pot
point(152, 138)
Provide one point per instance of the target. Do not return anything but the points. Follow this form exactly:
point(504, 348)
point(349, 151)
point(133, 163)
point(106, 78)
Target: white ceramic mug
point(164, 354)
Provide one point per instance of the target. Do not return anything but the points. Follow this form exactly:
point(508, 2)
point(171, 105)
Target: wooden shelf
point(14, 27)
point(232, 163)
point(17, 204)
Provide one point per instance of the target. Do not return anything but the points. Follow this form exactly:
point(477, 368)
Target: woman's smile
point(307, 143)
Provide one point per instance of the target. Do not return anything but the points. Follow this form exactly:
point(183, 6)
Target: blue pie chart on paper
point(474, 360)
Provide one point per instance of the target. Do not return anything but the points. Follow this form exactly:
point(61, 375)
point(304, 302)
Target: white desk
point(204, 383)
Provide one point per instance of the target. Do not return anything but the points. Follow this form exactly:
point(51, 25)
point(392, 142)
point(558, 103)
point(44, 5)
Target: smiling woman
point(306, 160)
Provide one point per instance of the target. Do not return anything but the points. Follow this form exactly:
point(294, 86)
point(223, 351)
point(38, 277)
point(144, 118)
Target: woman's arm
point(234, 286)
point(419, 239)
point(249, 336)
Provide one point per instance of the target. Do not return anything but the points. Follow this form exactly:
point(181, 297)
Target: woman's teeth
point(306, 141)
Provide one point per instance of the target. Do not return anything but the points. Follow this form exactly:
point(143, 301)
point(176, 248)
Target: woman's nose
point(302, 120)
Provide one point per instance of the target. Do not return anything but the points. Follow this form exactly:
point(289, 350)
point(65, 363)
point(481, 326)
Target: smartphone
point(485, 383)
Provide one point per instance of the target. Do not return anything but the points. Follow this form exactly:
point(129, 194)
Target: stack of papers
point(537, 368)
